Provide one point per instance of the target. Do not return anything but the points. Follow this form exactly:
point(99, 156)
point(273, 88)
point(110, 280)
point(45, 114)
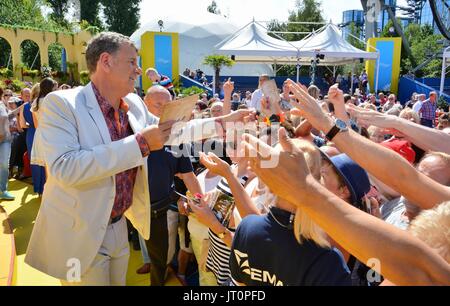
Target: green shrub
point(84, 77)
point(191, 91)
point(6, 73)
point(16, 85)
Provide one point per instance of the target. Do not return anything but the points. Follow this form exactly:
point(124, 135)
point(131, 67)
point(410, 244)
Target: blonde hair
point(304, 226)
point(433, 227)
point(314, 91)
point(408, 113)
point(35, 90)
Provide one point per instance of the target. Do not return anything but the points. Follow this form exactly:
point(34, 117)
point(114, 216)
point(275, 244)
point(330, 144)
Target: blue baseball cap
point(355, 177)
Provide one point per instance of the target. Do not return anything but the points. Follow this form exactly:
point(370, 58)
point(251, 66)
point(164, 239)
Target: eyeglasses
point(7, 95)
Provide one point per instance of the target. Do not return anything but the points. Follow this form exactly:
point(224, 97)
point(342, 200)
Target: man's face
point(124, 69)
point(26, 95)
point(155, 102)
point(433, 98)
point(7, 95)
point(435, 168)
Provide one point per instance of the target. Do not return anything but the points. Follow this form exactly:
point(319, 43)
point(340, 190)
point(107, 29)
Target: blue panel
point(163, 54)
point(386, 57)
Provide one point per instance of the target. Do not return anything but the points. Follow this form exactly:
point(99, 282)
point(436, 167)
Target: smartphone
point(270, 91)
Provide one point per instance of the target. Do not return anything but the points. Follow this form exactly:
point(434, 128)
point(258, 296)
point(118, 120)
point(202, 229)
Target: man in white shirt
point(257, 94)
point(418, 105)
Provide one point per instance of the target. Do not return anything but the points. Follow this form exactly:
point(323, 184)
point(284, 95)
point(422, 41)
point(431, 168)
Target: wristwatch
point(339, 126)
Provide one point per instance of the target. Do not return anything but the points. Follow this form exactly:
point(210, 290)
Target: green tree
point(5, 53)
point(217, 62)
point(89, 11)
point(424, 43)
point(30, 54)
point(213, 8)
point(54, 56)
point(122, 16)
point(23, 13)
point(355, 32)
point(59, 10)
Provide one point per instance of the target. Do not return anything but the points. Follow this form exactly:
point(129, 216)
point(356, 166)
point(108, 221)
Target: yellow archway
point(75, 44)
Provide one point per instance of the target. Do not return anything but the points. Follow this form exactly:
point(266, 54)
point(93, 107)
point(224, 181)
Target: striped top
point(218, 252)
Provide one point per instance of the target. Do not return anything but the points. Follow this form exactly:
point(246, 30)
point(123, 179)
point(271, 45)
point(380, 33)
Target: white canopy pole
point(378, 73)
point(351, 79)
point(444, 70)
point(298, 69)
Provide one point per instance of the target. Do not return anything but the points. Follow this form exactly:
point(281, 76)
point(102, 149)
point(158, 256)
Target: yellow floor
point(22, 213)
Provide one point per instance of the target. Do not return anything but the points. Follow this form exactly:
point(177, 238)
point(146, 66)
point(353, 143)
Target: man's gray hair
point(108, 42)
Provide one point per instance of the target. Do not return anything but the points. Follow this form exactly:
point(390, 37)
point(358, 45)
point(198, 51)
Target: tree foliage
point(217, 62)
point(305, 11)
point(59, 10)
point(89, 11)
point(213, 8)
point(424, 44)
point(122, 16)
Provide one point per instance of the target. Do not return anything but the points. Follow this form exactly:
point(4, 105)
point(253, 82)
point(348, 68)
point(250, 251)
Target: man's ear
point(105, 61)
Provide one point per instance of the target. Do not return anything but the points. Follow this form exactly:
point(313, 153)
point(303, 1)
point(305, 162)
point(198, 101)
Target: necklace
point(291, 219)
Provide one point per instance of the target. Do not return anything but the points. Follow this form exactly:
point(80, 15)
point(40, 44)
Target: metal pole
point(444, 70)
point(9, 59)
point(35, 58)
point(298, 70)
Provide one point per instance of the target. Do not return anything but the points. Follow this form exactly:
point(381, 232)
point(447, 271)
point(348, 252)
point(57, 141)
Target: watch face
point(341, 124)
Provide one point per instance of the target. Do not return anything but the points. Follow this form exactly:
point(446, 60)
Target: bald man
point(164, 164)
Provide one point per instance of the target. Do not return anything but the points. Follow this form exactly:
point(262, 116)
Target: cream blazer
point(82, 162)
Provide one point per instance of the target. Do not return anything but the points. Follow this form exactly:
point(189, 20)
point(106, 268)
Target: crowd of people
point(304, 188)
point(19, 117)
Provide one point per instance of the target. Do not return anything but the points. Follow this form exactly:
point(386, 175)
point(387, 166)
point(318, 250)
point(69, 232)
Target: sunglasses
point(7, 95)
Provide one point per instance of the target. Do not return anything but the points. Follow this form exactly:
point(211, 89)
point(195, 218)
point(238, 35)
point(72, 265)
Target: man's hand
point(182, 207)
point(215, 164)
point(204, 214)
point(157, 135)
point(228, 88)
point(290, 178)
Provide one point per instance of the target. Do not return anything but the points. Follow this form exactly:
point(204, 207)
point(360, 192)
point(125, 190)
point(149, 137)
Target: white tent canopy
point(198, 34)
point(329, 42)
point(252, 44)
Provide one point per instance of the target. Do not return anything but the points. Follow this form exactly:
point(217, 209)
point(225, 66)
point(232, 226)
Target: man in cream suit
point(94, 141)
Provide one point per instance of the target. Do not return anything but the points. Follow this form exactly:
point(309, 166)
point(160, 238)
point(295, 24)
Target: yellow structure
point(159, 50)
point(74, 44)
point(390, 49)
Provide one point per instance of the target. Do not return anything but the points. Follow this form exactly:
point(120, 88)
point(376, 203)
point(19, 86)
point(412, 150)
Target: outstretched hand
point(215, 164)
point(367, 118)
point(290, 171)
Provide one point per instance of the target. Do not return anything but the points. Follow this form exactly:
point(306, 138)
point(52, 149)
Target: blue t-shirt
point(162, 167)
point(266, 254)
